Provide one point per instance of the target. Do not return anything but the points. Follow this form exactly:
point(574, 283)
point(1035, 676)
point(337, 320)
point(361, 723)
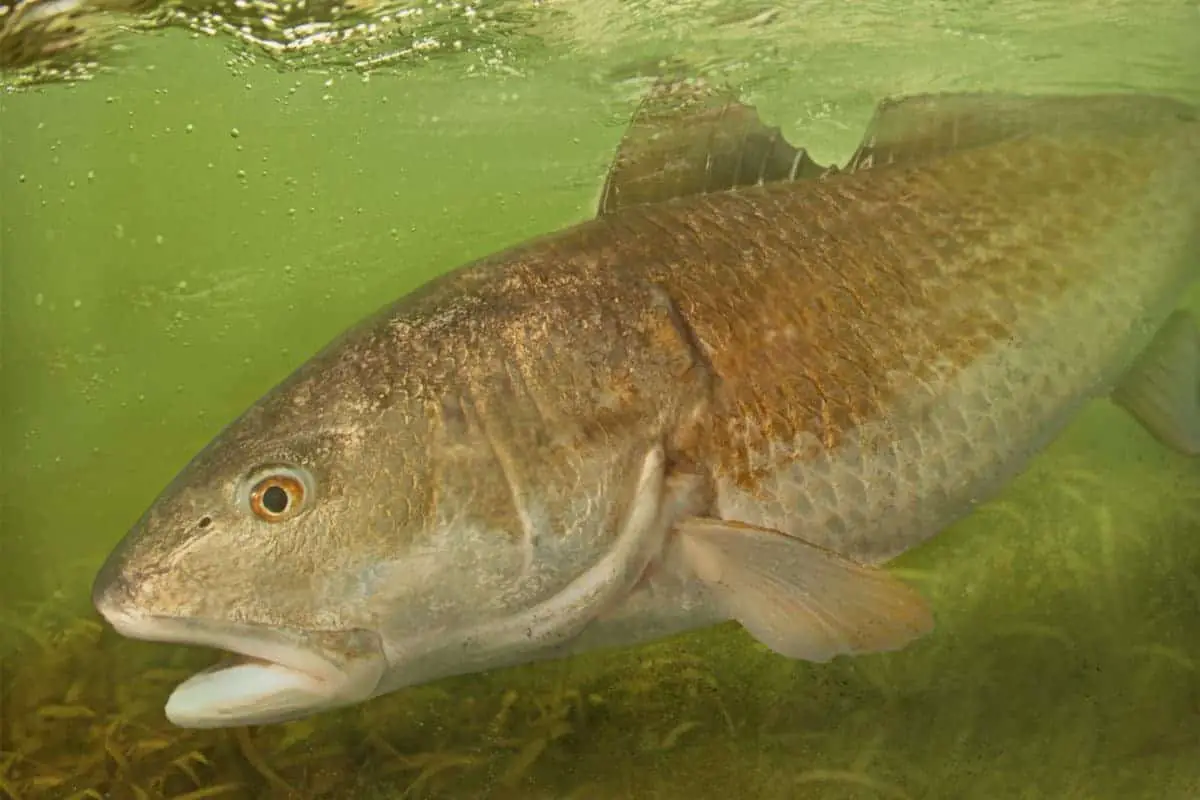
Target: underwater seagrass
point(735, 394)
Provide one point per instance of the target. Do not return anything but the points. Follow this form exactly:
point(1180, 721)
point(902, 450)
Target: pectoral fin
point(800, 600)
point(1162, 389)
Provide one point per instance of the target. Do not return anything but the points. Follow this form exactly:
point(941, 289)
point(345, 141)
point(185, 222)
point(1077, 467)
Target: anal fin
point(798, 599)
point(1162, 389)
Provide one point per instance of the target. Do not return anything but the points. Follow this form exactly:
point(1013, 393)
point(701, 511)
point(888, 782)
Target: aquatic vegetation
point(1064, 665)
point(82, 718)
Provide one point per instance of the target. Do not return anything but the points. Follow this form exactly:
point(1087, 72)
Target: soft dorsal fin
point(689, 137)
point(914, 129)
point(908, 130)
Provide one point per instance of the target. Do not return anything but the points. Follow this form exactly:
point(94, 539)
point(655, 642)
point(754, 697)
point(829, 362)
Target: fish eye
point(278, 495)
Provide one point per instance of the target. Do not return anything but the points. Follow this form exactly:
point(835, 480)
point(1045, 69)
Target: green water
point(180, 232)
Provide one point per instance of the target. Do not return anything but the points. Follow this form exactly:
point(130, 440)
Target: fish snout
point(112, 594)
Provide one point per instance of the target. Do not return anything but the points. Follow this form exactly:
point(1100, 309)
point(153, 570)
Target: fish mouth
point(270, 675)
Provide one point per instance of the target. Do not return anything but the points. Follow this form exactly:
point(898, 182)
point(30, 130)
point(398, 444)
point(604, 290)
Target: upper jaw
point(287, 673)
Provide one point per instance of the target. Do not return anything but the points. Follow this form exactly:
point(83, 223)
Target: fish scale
point(994, 346)
point(745, 384)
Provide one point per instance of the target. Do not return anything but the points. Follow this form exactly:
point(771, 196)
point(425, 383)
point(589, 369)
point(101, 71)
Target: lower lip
point(222, 693)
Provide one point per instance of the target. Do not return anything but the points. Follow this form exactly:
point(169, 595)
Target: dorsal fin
point(689, 137)
point(910, 130)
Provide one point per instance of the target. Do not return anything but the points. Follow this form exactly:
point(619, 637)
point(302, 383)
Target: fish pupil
point(275, 500)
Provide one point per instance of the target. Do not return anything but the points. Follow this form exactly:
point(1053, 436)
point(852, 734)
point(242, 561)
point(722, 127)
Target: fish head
point(258, 548)
point(339, 550)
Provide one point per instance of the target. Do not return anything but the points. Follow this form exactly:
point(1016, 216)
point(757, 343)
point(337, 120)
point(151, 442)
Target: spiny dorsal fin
point(689, 137)
point(910, 130)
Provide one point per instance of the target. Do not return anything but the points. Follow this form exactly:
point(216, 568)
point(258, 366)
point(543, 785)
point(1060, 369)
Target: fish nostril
point(204, 522)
